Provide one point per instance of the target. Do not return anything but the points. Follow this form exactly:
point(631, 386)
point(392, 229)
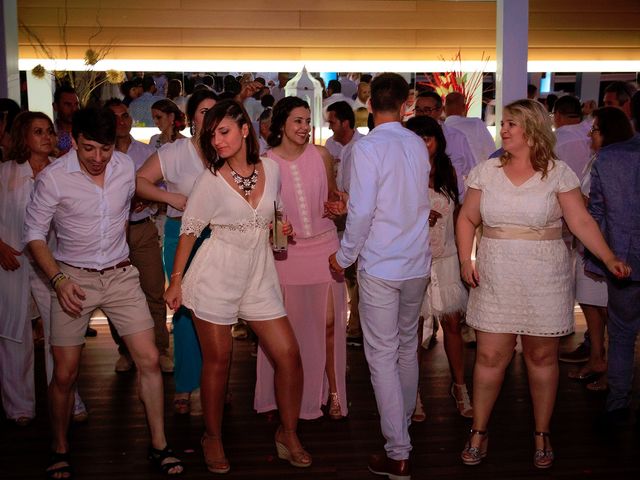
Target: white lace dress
point(525, 285)
point(233, 273)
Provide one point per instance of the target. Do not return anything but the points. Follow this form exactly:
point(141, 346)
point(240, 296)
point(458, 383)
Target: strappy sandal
point(474, 455)
point(418, 415)
point(165, 460)
point(543, 457)
point(297, 458)
point(214, 465)
point(335, 412)
point(181, 405)
point(61, 470)
point(463, 402)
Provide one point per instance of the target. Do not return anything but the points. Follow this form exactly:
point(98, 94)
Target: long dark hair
point(613, 124)
point(281, 112)
point(236, 112)
point(444, 178)
point(194, 102)
point(19, 151)
point(168, 107)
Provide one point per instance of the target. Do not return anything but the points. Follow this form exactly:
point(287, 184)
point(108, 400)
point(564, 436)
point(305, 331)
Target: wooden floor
point(113, 443)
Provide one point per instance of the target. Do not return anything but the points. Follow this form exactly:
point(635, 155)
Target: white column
point(512, 41)
point(40, 93)
point(588, 86)
point(9, 75)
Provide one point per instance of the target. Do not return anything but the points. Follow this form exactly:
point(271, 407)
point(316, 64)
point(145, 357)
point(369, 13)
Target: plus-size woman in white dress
point(521, 284)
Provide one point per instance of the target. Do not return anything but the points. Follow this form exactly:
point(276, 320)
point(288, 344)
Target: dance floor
point(113, 443)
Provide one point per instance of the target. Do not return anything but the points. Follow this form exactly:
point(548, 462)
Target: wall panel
point(325, 29)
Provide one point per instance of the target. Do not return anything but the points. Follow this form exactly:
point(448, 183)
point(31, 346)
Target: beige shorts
point(116, 292)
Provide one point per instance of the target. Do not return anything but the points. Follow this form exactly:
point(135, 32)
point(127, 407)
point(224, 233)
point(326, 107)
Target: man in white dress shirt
point(480, 140)
point(573, 145)
point(388, 233)
point(458, 149)
point(334, 92)
point(144, 249)
point(342, 121)
point(87, 194)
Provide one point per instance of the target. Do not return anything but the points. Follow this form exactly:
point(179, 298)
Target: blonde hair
point(536, 123)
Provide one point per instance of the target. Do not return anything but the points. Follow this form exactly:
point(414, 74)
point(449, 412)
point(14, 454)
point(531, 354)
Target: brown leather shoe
point(392, 469)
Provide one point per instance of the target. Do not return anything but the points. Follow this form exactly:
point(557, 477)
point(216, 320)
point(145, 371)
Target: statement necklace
point(245, 184)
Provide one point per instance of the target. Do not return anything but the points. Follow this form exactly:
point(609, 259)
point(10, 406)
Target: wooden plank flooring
point(113, 443)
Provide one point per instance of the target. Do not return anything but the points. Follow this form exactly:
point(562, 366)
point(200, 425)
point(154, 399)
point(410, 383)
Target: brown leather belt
point(138, 222)
point(123, 264)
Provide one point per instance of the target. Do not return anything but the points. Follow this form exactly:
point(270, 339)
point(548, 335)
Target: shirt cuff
point(31, 236)
point(342, 261)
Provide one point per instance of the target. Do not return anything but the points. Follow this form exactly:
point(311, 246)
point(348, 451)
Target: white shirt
point(387, 227)
point(181, 166)
point(480, 140)
point(459, 151)
point(16, 184)
point(89, 221)
point(336, 97)
point(357, 103)
point(139, 152)
point(253, 107)
point(349, 87)
point(337, 151)
point(573, 147)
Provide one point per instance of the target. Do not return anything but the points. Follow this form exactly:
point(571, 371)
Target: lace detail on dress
point(256, 222)
point(192, 226)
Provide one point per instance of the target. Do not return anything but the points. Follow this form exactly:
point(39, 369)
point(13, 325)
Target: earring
point(530, 143)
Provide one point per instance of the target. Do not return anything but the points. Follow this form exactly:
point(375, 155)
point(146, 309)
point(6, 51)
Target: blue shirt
point(387, 227)
point(140, 109)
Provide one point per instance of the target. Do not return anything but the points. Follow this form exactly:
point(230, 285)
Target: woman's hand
point(173, 295)
point(8, 254)
point(469, 273)
point(177, 201)
point(618, 268)
point(287, 229)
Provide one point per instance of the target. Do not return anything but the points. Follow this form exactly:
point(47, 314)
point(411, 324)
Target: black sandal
point(59, 458)
point(159, 458)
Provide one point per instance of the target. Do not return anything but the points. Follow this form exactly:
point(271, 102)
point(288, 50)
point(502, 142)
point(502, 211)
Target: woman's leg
point(492, 358)
point(541, 358)
point(596, 318)
point(279, 343)
point(330, 344)
point(454, 346)
point(215, 341)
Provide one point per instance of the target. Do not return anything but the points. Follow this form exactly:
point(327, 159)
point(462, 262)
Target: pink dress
point(306, 283)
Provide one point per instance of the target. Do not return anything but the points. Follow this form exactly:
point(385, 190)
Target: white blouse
point(181, 166)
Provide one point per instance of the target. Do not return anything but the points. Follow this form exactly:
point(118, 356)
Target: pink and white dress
point(308, 285)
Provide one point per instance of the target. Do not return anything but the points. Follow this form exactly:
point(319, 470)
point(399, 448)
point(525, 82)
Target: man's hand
point(70, 296)
point(334, 266)
point(337, 206)
point(8, 254)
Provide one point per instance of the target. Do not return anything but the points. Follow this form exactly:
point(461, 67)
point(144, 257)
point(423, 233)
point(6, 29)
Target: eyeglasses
point(427, 110)
point(594, 129)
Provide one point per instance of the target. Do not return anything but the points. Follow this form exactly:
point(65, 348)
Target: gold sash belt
point(522, 233)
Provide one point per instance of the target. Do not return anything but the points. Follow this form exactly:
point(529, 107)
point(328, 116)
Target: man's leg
point(146, 256)
point(624, 324)
point(66, 361)
point(379, 308)
point(411, 296)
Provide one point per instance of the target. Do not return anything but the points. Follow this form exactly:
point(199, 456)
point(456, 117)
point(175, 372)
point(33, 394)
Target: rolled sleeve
point(40, 209)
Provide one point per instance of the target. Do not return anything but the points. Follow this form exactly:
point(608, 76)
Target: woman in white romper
point(233, 275)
